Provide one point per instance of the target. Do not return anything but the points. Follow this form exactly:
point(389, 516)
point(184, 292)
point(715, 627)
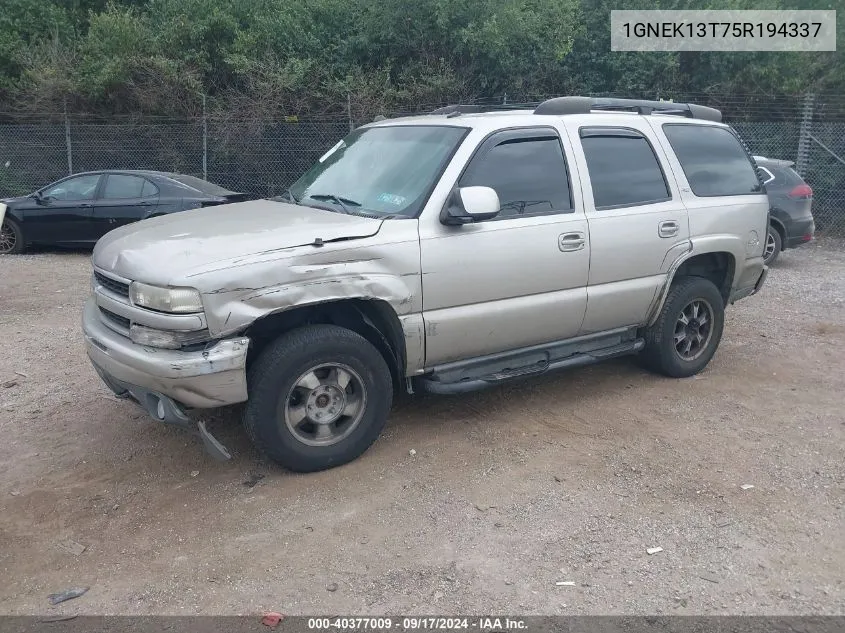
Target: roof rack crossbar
point(458, 108)
point(585, 105)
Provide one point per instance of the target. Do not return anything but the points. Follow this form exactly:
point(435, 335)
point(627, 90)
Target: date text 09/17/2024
point(490, 624)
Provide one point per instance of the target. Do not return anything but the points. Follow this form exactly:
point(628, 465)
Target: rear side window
point(123, 186)
point(528, 172)
point(624, 170)
point(713, 160)
point(149, 189)
point(784, 177)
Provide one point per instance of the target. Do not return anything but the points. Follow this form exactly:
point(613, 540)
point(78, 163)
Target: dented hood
point(160, 249)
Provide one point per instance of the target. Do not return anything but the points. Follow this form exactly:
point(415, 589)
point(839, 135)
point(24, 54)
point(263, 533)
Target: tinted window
point(784, 177)
point(623, 168)
point(713, 160)
point(765, 174)
point(529, 174)
point(122, 186)
point(79, 188)
point(149, 189)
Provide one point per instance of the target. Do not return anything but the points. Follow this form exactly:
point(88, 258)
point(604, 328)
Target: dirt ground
point(566, 478)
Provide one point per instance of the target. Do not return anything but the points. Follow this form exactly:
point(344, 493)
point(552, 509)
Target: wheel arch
point(374, 319)
point(11, 219)
point(718, 266)
point(778, 226)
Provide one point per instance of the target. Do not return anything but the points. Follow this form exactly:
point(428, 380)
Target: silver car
point(446, 253)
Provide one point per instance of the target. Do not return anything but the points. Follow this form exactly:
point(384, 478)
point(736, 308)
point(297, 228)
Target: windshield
point(379, 170)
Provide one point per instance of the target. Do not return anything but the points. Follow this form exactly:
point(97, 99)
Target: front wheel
point(11, 238)
point(686, 334)
point(319, 396)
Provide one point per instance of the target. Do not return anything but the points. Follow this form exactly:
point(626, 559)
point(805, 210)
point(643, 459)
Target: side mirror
point(470, 204)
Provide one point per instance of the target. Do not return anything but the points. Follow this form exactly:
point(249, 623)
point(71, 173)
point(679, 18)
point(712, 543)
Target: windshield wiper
point(341, 202)
point(287, 196)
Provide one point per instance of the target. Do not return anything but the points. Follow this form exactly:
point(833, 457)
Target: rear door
point(638, 223)
point(125, 198)
point(720, 188)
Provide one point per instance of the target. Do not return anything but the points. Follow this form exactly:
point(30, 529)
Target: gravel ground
point(566, 478)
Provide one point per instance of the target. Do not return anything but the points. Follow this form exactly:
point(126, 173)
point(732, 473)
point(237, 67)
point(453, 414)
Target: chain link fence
point(263, 158)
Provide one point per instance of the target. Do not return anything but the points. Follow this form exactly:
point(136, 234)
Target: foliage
point(265, 57)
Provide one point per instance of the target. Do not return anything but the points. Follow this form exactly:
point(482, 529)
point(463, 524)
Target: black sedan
point(80, 209)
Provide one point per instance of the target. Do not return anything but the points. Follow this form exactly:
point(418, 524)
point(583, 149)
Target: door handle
point(574, 241)
point(668, 229)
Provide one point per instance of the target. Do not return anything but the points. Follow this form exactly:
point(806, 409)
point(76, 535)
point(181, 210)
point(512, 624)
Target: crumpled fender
point(385, 267)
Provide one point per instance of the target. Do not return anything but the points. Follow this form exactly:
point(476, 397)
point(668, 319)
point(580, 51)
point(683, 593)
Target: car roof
point(179, 180)
point(132, 172)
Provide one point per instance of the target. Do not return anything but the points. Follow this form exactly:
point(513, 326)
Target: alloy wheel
point(693, 329)
point(325, 404)
point(770, 247)
point(8, 238)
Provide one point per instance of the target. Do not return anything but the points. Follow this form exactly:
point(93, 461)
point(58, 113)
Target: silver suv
point(444, 252)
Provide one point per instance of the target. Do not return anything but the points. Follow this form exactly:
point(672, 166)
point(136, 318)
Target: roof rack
point(459, 109)
point(584, 105)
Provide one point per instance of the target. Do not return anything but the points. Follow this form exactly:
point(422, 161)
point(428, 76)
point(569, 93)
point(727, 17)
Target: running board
point(577, 359)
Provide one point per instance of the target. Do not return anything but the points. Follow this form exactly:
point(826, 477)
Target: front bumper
point(204, 379)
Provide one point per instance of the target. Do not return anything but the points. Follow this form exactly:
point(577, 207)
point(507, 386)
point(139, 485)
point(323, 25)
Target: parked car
point(80, 209)
point(791, 222)
point(445, 252)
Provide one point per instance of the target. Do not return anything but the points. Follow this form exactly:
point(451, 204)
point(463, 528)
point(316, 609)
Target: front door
point(63, 212)
point(518, 279)
point(638, 222)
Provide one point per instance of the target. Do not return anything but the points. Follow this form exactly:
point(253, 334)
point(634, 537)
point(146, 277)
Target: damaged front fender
point(385, 269)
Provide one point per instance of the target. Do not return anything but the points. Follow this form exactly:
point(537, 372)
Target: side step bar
point(577, 359)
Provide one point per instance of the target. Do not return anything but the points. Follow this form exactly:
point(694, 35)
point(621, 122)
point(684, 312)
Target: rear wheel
point(11, 238)
point(319, 396)
point(774, 245)
point(687, 333)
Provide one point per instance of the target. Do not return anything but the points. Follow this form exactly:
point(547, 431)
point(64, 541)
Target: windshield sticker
point(392, 199)
point(331, 151)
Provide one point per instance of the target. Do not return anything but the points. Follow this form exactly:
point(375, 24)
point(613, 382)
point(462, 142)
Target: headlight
point(168, 340)
point(173, 300)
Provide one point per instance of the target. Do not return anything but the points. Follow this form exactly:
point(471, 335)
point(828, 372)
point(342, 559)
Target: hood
point(160, 249)
point(10, 202)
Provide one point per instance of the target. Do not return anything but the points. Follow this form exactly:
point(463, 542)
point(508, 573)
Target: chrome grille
point(122, 321)
point(112, 285)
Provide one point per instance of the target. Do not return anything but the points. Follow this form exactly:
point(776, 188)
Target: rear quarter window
point(785, 176)
point(713, 159)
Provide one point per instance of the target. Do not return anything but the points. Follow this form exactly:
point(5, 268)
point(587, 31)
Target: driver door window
point(528, 172)
point(74, 189)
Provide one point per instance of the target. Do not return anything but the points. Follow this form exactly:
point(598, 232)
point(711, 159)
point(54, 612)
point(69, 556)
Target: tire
point(11, 238)
point(773, 247)
point(660, 353)
point(284, 399)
